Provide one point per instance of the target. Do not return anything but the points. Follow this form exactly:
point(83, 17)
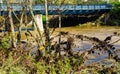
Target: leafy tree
point(115, 13)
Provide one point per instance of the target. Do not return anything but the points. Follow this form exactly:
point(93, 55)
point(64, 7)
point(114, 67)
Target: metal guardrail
point(54, 9)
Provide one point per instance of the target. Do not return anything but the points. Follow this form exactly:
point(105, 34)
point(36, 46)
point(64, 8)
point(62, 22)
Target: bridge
point(56, 10)
point(39, 10)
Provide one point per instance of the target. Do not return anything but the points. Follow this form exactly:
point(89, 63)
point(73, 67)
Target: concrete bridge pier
point(39, 22)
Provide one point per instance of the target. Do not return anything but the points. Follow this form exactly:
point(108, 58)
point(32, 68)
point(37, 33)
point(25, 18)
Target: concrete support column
point(39, 22)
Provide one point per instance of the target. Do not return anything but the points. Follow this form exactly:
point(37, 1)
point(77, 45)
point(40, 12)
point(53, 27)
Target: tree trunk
point(59, 34)
point(13, 42)
point(37, 25)
point(19, 28)
point(47, 41)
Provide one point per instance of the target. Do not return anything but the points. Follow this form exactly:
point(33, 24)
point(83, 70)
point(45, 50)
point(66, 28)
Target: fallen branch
point(115, 41)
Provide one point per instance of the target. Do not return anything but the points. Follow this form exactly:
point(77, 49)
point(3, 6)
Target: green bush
point(115, 13)
point(5, 42)
point(44, 19)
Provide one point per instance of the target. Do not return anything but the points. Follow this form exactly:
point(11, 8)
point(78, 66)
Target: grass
point(61, 66)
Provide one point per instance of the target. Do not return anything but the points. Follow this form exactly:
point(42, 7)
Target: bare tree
point(47, 28)
point(33, 17)
point(13, 42)
point(21, 21)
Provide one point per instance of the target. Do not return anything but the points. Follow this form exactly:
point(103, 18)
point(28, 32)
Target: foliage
point(44, 19)
point(19, 61)
point(48, 64)
point(58, 65)
point(60, 1)
point(2, 21)
point(115, 12)
point(5, 42)
point(10, 68)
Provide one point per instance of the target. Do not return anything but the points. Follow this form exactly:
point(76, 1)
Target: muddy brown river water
point(100, 33)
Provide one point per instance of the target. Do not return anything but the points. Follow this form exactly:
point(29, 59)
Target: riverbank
point(24, 60)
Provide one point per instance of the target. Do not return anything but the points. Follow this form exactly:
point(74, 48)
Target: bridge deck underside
point(66, 12)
